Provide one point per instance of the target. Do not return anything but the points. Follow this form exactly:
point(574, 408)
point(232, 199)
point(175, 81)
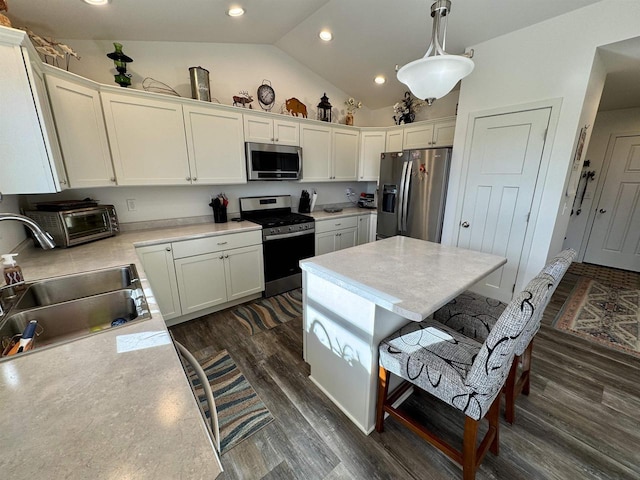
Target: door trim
point(597, 194)
point(555, 105)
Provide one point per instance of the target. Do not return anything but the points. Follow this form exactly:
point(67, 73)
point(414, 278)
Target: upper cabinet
point(328, 153)
point(435, 133)
point(394, 140)
point(261, 129)
point(147, 139)
point(372, 145)
point(30, 159)
point(215, 145)
point(81, 131)
point(418, 136)
point(443, 133)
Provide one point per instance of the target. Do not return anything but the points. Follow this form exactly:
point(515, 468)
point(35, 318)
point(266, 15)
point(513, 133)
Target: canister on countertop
point(12, 271)
point(200, 89)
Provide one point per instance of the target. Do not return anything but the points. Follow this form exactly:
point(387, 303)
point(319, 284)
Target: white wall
point(11, 233)
point(607, 123)
point(166, 202)
point(549, 60)
point(232, 67)
point(444, 107)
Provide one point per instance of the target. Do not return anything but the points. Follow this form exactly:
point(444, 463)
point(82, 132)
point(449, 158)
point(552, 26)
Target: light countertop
point(396, 273)
point(320, 214)
point(84, 410)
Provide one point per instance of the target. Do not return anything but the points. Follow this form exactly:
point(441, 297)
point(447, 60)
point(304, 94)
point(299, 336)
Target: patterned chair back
point(493, 362)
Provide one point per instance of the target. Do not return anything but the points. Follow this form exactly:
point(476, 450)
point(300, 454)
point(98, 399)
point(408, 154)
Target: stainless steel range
point(287, 238)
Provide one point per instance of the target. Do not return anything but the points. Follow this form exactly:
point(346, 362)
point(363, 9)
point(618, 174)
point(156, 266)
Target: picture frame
point(574, 175)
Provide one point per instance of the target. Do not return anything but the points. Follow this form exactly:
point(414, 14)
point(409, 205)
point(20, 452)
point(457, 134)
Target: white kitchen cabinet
point(443, 133)
point(344, 154)
point(373, 227)
point(157, 261)
point(364, 235)
point(315, 141)
point(215, 145)
point(81, 130)
point(394, 140)
point(30, 161)
point(260, 129)
point(147, 139)
point(336, 234)
point(372, 145)
point(418, 136)
point(244, 271)
point(201, 281)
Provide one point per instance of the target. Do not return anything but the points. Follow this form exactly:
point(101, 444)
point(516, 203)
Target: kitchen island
point(356, 297)
point(92, 409)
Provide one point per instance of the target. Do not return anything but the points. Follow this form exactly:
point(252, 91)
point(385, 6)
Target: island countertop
point(396, 272)
point(84, 409)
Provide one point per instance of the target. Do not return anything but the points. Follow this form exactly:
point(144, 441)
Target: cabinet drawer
point(336, 224)
point(199, 246)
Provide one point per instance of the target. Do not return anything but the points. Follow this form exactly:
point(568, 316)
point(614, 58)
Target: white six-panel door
point(505, 156)
point(615, 235)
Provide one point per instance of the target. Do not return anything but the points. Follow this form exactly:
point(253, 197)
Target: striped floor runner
point(241, 413)
point(266, 313)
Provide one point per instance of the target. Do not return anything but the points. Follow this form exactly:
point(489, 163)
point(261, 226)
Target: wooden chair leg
point(383, 390)
point(526, 368)
point(494, 423)
point(469, 452)
point(510, 391)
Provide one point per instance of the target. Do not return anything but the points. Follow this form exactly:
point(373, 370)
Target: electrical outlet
point(131, 204)
point(349, 191)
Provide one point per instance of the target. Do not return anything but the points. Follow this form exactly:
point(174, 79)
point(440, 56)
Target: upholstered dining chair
point(474, 316)
point(458, 370)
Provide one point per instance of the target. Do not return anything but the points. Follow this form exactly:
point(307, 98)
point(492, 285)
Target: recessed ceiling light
point(235, 12)
point(325, 35)
point(96, 2)
point(379, 79)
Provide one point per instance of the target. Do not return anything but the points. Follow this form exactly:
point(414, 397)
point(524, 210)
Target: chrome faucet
point(44, 239)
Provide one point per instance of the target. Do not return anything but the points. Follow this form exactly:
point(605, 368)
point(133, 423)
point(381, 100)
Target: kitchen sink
point(74, 306)
point(71, 287)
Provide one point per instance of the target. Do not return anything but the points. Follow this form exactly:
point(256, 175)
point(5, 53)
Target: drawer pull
point(222, 243)
point(221, 257)
point(338, 224)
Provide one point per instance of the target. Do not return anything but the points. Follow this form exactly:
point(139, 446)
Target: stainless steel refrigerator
point(412, 189)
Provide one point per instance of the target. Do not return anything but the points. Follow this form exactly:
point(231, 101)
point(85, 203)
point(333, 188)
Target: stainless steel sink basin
point(71, 287)
point(75, 306)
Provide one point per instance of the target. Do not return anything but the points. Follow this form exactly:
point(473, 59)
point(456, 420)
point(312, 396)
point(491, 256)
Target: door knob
point(602, 210)
point(464, 224)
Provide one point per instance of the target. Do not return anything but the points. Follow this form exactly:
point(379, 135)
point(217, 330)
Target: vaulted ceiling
point(370, 36)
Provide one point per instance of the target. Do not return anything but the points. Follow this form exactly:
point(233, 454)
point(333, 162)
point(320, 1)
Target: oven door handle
point(278, 236)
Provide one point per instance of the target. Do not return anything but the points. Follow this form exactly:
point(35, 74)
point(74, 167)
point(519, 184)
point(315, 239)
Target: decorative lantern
point(324, 109)
point(120, 60)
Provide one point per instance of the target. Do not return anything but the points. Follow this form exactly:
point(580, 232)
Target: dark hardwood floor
point(581, 420)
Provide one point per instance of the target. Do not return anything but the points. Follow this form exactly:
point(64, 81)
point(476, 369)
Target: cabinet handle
point(272, 139)
point(338, 224)
point(221, 257)
point(195, 179)
point(63, 182)
point(188, 179)
point(277, 139)
point(602, 210)
point(168, 249)
point(222, 243)
point(464, 224)
point(226, 256)
point(112, 179)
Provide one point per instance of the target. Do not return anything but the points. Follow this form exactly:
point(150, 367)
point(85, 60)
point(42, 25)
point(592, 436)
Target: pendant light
point(435, 75)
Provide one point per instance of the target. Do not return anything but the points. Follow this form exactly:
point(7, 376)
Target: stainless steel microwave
point(78, 225)
point(273, 162)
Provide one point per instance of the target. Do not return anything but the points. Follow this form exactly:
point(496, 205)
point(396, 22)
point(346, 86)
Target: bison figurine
point(295, 107)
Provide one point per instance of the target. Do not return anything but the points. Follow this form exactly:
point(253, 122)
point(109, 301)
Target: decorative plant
point(352, 105)
point(405, 110)
point(50, 48)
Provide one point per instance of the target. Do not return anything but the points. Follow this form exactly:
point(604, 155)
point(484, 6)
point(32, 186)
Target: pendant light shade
point(437, 73)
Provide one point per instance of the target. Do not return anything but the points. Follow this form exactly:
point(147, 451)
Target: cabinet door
point(244, 271)
point(82, 133)
point(345, 154)
point(286, 132)
point(215, 144)
point(316, 153)
point(443, 133)
point(372, 145)
point(25, 162)
point(419, 136)
point(325, 242)
point(258, 129)
point(157, 261)
point(201, 281)
point(147, 140)
point(363, 229)
point(373, 226)
point(394, 140)
point(347, 238)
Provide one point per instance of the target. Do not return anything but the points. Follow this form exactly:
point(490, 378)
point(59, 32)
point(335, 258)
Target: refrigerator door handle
point(406, 182)
point(400, 213)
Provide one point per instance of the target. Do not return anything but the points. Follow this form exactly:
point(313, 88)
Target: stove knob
point(291, 229)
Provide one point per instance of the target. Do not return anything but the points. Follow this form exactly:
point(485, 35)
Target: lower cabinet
point(363, 229)
point(192, 276)
point(336, 234)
